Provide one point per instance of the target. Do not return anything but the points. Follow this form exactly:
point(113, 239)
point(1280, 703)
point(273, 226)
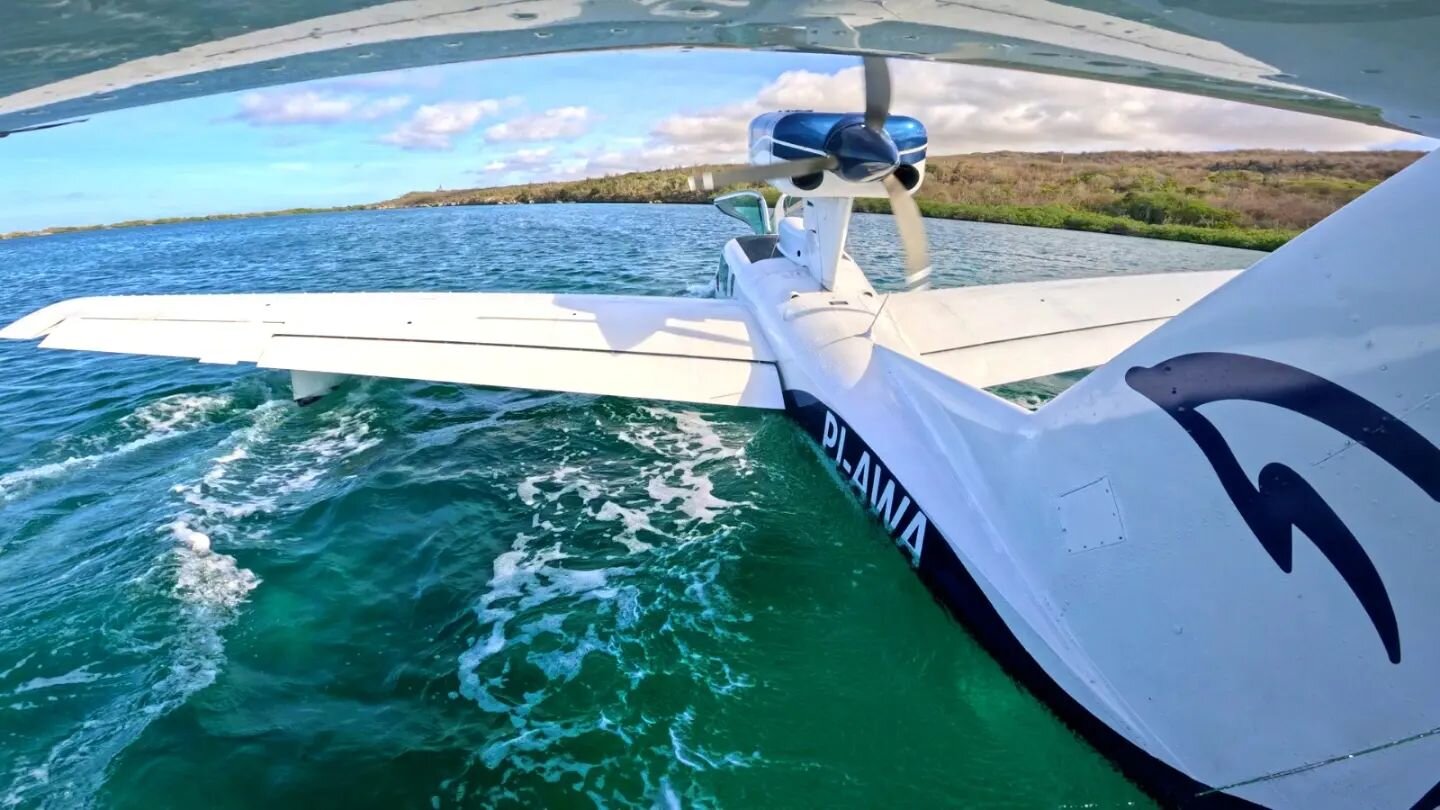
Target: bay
point(424, 595)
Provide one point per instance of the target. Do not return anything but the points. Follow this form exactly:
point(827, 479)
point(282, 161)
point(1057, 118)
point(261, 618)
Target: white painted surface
point(309, 385)
point(993, 364)
point(961, 317)
point(1341, 59)
point(1186, 637)
point(994, 334)
point(1090, 518)
point(628, 374)
point(684, 349)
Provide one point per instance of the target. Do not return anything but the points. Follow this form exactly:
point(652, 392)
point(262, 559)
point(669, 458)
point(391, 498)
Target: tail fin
point(1271, 607)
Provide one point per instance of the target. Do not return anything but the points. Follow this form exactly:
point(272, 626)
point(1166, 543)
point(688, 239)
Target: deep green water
point(432, 596)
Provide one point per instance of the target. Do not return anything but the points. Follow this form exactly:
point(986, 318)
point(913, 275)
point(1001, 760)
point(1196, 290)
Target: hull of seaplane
point(875, 414)
point(1214, 555)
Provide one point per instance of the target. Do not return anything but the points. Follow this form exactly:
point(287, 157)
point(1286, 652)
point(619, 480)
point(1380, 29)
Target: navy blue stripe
point(950, 582)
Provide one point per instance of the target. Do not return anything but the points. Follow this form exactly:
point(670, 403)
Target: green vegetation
point(1078, 219)
point(139, 223)
point(1253, 199)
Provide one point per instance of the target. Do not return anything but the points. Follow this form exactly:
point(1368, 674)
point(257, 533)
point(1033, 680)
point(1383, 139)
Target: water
point(419, 595)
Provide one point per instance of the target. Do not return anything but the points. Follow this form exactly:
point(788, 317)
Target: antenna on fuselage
point(856, 153)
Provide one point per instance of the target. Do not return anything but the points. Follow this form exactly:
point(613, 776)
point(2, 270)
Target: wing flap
point(653, 325)
point(628, 374)
point(994, 334)
point(994, 364)
point(693, 350)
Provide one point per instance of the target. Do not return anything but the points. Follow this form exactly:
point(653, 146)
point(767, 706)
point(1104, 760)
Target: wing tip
point(43, 321)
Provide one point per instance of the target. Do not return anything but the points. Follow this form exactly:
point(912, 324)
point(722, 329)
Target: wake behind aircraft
point(1213, 556)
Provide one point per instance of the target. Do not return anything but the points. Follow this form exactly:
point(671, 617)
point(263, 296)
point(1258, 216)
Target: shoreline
point(1054, 217)
point(60, 230)
point(1255, 199)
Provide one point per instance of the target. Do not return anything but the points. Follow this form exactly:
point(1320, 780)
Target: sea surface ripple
point(424, 595)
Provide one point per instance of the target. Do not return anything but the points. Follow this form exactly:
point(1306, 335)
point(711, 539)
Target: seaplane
point(1215, 556)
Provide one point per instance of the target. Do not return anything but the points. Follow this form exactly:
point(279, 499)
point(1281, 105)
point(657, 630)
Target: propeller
point(709, 181)
point(858, 153)
point(5, 133)
point(908, 221)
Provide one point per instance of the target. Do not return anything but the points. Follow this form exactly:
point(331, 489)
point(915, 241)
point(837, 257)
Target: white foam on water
point(634, 521)
point(668, 798)
point(528, 489)
point(252, 471)
point(527, 577)
point(199, 542)
point(222, 496)
point(570, 480)
point(212, 496)
point(74, 676)
point(695, 444)
point(552, 608)
point(696, 495)
point(208, 589)
point(177, 412)
point(209, 580)
point(18, 664)
point(156, 421)
point(700, 289)
point(695, 757)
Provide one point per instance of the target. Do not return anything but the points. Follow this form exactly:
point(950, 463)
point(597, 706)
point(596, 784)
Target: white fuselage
point(1108, 549)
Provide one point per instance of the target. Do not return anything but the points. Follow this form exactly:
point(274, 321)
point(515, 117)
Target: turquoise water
point(425, 595)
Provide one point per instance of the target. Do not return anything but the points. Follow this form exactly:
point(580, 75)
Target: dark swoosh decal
point(1282, 500)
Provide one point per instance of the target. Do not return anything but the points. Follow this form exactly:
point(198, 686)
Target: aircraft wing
point(1360, 60)
point(994, 334)
point(683, 349)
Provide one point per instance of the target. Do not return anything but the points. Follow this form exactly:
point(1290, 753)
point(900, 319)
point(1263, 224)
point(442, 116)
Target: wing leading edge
point(680, 349)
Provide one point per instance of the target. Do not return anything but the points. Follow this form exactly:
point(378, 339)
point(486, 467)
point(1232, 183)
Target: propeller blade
point(912, 235)
point(710, 181)
point(36, 127)
point(877, 92)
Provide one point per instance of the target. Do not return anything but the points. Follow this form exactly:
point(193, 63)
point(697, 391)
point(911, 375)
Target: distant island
point(141, 223)
point(1255, 199)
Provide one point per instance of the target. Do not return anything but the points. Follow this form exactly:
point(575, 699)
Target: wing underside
point(681, 349)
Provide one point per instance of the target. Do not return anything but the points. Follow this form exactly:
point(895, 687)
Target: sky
point(372, 137)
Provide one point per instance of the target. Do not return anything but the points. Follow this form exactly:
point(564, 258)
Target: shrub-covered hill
point(1257, 198)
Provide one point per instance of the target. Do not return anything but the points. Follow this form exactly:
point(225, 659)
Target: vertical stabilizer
point(1262, 594)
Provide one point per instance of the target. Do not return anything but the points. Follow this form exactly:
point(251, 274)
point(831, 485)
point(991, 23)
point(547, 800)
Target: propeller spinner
point(831, 155)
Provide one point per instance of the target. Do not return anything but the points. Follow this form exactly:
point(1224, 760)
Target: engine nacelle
point(780, 136)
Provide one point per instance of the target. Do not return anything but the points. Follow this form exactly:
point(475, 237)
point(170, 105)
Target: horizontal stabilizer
point(682, 349)
point(994, 334)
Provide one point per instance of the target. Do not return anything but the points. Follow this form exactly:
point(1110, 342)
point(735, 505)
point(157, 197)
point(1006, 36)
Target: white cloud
point(289, 107)
point(435, 126)
point(553, 124)
point(728, 125)
point(975, 109)
point(522, 159)
point(965, 109)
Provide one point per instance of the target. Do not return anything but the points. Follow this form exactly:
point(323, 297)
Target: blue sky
point(369, 138)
